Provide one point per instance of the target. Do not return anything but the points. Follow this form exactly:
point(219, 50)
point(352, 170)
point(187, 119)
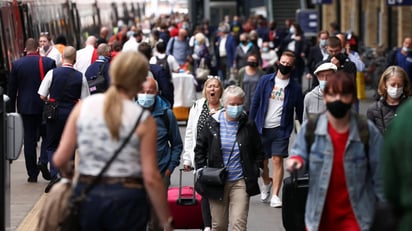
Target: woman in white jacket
point(200, 111)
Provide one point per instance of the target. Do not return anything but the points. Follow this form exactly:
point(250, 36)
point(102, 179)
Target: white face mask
point(322, 84)
point(394, 92)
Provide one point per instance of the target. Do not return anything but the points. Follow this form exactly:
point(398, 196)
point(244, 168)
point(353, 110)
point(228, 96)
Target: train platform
point(26, 198)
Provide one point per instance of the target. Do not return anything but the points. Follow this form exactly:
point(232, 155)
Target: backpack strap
point(310, 130)
point(41, 68)
point(363, 130)
point(310, 134)
point(101, 68)
point(172, 46)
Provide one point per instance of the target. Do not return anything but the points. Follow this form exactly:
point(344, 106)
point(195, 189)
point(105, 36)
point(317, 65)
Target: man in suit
point(317, 53)
point(66, 86)
point(225, 49)
point(25, 78)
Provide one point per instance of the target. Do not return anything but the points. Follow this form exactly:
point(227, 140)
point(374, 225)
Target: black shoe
point(32, 180)
point(51, 183)
point(44, 171)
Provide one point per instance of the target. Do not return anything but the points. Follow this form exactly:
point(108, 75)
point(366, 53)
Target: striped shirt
point(228, 131)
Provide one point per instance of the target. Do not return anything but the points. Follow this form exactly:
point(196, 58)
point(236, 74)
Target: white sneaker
point(275, 202)
point(265, 192)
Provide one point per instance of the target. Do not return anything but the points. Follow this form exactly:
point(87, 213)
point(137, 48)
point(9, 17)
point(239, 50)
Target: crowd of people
point(245, 118)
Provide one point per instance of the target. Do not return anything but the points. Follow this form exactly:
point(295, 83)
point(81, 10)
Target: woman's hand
point(187, 168)
point(293, 164)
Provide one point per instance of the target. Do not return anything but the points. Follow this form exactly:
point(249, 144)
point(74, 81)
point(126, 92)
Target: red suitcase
point(185, 206)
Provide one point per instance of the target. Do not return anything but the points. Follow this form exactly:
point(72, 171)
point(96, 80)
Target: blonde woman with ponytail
point(97, 126)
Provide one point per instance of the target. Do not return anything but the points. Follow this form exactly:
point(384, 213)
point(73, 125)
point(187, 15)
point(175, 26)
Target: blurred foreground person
point(345, 181)
point(97, 126)
point(396, 165)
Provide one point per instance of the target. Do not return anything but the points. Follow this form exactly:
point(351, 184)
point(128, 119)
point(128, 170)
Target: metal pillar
point(3, 163)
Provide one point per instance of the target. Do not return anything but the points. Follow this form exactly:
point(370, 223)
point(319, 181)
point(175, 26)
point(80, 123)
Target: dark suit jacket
point(230, 46)
point(24, 83)
point(314, 57)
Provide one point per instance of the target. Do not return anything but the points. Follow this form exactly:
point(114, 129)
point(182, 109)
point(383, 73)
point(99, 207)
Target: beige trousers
point(233, 210)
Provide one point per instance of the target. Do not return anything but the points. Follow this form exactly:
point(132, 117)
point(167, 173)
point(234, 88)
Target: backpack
point(362, 124)
point(98, 83)
point(163, 63)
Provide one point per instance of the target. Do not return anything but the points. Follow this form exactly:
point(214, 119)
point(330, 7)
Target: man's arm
point(45, 85)
point(85, 88)
point(12, 88)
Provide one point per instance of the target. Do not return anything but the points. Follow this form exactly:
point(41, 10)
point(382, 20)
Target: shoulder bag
point(209, 176)
point(202, 70)
point(50, 107)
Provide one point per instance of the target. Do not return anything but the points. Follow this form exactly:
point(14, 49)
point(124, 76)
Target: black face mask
point(252, 64)
point(243, 42)
point(285, 70)
point(338, 108)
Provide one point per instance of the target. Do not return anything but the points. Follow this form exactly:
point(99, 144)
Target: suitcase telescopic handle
point(181, 170)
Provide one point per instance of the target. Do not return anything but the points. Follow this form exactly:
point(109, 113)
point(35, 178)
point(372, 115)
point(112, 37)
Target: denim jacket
point(364, 182)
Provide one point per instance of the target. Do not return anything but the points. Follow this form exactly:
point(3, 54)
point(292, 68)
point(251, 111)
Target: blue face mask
point(322, 84)
point(234, 111)
point(146, 100)
point(322, 42)
point(405, 49)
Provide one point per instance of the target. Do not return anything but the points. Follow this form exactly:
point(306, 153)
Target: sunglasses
point(213, 77)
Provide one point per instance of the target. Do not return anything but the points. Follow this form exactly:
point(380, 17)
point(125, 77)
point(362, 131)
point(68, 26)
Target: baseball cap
point(325, 67)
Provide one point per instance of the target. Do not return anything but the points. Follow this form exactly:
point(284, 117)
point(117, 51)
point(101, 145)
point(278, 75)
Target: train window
point(3, 58)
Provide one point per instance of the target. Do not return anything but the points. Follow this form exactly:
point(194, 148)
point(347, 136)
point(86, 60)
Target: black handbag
point(71, 221)
point(210, 176)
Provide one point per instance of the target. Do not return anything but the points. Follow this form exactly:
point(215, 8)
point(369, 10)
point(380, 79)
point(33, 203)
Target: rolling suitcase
point(185, 206)
point(294, 194)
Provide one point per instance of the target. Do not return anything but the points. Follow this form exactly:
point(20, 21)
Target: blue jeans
point(113, 207)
